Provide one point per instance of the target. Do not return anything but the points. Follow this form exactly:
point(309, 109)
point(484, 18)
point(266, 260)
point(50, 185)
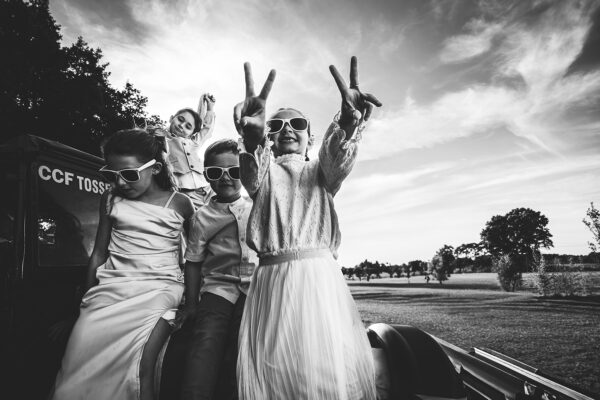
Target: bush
point(564, 282)
point(543, 280)
point(509, 272)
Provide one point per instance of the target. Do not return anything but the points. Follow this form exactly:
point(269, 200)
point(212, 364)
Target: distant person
point(134, 280)
point(301, 336)
point(188, 132)
point(217, 254)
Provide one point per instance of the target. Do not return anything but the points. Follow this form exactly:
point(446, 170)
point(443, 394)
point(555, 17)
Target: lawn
point(559, 336)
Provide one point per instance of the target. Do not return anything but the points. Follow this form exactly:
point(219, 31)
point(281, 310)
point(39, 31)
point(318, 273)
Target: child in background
point(134, 279)
point(217, 252)
point(301, 336)
point(188, 131)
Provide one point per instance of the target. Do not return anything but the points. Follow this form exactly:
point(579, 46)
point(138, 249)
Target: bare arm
point(184, 207)
point(193, 282)
point(207, 114)
point(100, 252)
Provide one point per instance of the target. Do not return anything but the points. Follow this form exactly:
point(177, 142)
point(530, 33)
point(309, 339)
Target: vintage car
point(48, 213)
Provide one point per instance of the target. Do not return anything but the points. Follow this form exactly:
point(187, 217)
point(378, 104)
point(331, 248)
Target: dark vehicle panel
point(49, 211)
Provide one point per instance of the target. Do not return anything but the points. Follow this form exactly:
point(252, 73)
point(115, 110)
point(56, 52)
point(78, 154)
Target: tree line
point(510, 245)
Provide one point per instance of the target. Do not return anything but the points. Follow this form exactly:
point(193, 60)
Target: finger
point(254, 122)
point(237, 113)
point(353, 72)
point(266, 89)
point(249, 80)
point(368, 110)
point(372, 99)
point(341, 84)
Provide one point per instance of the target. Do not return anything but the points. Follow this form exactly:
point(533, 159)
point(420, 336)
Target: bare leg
point(157, 339)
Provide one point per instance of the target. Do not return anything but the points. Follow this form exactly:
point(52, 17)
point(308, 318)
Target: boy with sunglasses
point(217, 252)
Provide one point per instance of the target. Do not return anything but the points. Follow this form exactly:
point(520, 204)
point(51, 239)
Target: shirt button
point(191, 166)
point(245, 259)
point(187, 154)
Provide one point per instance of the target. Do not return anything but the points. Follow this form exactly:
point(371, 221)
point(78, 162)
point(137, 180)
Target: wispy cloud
point(543, 109)
point(477, 40)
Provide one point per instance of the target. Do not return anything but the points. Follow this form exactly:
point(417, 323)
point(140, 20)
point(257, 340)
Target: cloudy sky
point(488, 105)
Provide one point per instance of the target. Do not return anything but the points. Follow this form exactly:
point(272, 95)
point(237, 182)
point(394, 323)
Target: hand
point(249, 116)
point(182, 315)
point(356, 105)
point(210, 101)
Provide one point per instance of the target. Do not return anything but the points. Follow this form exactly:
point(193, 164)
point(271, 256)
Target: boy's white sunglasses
point(215, 173)
point(275, 125)
point(129, 175)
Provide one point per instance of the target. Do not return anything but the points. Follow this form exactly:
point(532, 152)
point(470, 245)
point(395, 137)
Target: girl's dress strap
point(170, 198)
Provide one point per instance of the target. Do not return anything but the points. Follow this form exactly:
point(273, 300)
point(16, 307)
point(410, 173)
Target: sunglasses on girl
point(215, 173)
point(297, 123)
point(129, 175)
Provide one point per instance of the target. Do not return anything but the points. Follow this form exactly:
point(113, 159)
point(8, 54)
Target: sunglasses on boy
point(129, 175)
point(215, 173)
point(297, 123)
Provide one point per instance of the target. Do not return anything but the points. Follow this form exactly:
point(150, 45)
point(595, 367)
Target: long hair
point(145, 146)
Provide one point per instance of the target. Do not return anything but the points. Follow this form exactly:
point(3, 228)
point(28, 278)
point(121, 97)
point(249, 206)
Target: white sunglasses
point(128, 174)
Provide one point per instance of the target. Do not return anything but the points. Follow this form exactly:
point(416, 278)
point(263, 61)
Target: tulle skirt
point(301, 336)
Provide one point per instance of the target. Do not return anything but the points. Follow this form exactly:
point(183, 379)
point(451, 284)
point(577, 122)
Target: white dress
point(301, 336)
point(140, 283)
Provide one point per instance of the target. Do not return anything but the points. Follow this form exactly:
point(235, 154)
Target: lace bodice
point(293, 198)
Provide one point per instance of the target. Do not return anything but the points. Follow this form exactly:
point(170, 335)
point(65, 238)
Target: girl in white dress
point(134, 280)
point(301, 336)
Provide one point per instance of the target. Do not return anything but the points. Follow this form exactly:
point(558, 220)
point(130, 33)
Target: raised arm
point(356, 105)
point(206, 112)
point(337, 154)
point(249, 115)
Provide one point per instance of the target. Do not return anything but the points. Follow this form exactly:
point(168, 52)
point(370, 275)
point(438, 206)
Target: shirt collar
point(225, 206)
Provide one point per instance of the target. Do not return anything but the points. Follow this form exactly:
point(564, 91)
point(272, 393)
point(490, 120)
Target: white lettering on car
point(44, 172)
point(66, 178)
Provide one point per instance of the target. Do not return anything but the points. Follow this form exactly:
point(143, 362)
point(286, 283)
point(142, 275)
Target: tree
point(443, 263)
point(509, 272)
point(520, 233)
point(437, 269)
point(407, 269)
point(448, 260)
point(61, 93)
point(417, 266)
point(592, 221)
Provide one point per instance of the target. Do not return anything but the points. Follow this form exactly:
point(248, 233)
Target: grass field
point(559, 336)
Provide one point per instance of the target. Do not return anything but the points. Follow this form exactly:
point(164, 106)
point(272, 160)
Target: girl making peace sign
point(301, 336)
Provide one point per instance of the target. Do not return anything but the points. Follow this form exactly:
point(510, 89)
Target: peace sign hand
point(249, 116)
point(356, 105)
